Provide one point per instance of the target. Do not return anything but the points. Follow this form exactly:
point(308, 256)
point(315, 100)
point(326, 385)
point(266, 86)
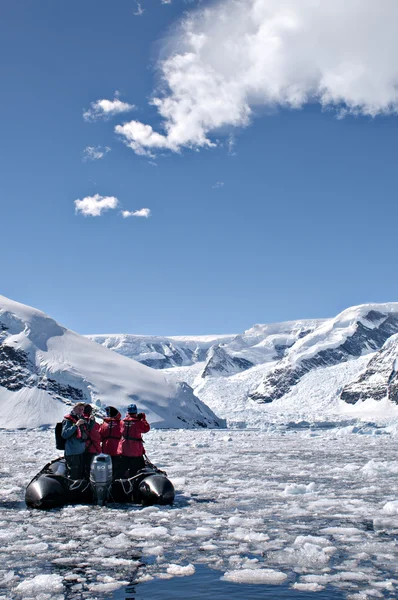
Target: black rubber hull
point(50, 488)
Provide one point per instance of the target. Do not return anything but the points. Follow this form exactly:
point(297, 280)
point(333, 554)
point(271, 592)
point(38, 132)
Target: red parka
point(131, 429)
point(110, 434)
point(93, 444)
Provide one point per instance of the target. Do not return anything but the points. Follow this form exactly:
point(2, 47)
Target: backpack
point(59, 440)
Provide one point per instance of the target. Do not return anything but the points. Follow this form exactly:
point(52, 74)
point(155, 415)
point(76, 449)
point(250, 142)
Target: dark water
point(206, 584)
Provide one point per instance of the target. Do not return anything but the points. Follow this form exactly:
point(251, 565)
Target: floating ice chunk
point(35, 548)
point(307, 555)
point(267, 576)
point(143, 578)
point(375, 469)
point(312, 539)
point(379, 524)
point(354, 576)
point(308, 587)
point(40, 583)
point(343, 531)
point(391, 508)
point(7, 577)
point(320, 579)
point(153, 550)
point(148, 532)
point(119, 541)
point(247, 535)
point(179, 571)
point(295, 489)
point(107, 587)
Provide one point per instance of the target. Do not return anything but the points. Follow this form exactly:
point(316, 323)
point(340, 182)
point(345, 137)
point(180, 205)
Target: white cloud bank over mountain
point(228, 59)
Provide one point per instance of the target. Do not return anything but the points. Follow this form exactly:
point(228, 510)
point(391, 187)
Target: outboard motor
point(101, 478)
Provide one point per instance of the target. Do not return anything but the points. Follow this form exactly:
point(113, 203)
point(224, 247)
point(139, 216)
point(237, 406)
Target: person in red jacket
point(110, 434)
point(93, 442)
point(131, 449)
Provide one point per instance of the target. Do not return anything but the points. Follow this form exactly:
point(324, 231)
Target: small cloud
point(95, 152)
point(231, 143)
point(103, 109)
point(166, 1)
point(143, 212)
point(140, 11)
point(218, 184)
point(94, 206)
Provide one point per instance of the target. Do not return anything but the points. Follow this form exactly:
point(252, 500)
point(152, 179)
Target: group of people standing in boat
point(120, 438)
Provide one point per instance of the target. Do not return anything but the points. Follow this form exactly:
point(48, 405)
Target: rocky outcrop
point(380, 378)
point(220, 363)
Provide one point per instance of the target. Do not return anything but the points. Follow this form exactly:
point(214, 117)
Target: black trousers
point(127, 466)
point(88, 459)
point(76, 465)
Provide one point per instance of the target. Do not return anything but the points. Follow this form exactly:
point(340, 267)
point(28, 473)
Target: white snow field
point(45, 366)
point(310, 507)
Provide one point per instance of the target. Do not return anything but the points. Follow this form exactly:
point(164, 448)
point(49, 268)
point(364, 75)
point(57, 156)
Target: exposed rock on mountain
point(355, 332)
point(221, 363)
point(380, 378)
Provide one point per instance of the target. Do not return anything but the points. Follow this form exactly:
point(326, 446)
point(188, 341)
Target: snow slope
point(44, 366)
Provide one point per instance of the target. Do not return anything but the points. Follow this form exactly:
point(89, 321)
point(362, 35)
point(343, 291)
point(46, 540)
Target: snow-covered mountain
point(355, 332)
point(219, 355)
point(161, 352)
point(44, 366)
point(286, 367)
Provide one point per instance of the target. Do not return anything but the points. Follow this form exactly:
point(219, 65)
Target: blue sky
point(271, 190)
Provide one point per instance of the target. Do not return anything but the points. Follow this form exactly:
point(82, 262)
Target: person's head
point(78, 409)
point(111, 412)
point(87, 410)
point(132, 409)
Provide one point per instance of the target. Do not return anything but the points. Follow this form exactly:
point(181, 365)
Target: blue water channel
point(206, 584)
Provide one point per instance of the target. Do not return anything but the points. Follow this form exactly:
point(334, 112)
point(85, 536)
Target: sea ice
point(230, 513)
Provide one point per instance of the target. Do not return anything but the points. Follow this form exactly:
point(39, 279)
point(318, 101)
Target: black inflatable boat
point(51, 487)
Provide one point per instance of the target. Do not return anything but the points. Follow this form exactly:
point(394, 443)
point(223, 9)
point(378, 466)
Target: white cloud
point(142, 138)
point(218, 184)
point(95, 152)
point(94, 206)
point(140, 11)
point(234, 57)
point(143, 212)
point(103, 109)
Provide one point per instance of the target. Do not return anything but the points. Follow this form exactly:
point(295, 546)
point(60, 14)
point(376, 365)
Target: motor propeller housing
point(101, 478)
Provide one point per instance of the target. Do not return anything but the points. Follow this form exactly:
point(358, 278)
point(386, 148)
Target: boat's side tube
point(155, 489)
point(46, 491)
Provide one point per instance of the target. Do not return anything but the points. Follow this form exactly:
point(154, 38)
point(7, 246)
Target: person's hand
point(141, 416)
point(80, 422)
